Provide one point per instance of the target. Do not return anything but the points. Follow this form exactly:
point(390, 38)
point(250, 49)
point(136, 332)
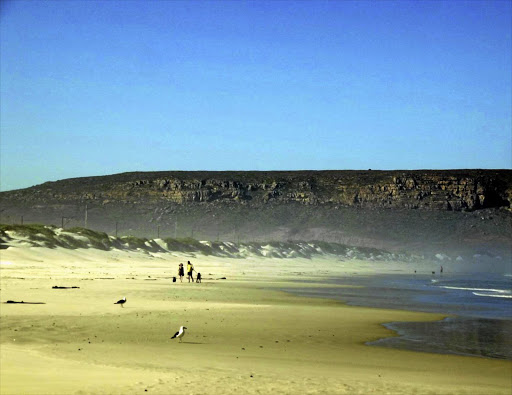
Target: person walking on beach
point(181, 272)
point(190, 269)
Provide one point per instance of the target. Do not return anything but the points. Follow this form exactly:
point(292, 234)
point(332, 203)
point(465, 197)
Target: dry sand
point(244, 337)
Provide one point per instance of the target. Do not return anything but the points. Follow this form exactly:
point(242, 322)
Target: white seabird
point(121, 301)
point(180, 333)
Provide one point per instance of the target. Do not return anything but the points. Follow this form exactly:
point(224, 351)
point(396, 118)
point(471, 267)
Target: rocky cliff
point(433, 190)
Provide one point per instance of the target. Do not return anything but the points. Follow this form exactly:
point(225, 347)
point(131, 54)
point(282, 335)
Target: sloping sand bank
point(244, 335)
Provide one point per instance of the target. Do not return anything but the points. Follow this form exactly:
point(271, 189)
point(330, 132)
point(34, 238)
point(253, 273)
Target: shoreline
point(425, 337)
point(244, 336)
point(456, 333)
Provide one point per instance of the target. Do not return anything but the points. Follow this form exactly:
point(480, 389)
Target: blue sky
point(93, 88)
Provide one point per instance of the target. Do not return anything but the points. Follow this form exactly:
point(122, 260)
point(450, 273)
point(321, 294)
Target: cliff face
point(432, 190)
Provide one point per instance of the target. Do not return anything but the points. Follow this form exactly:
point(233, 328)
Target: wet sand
point(245, 335)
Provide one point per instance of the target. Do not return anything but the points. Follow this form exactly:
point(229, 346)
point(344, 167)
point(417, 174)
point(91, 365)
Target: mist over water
point(482, 264)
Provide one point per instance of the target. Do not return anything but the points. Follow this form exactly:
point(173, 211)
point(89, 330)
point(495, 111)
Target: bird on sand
point(121, 301)
point(180, 333)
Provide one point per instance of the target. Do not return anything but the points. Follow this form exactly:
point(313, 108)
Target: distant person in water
point(190, 269)
point(441, 270)
point(181, 272)
point(198, 278)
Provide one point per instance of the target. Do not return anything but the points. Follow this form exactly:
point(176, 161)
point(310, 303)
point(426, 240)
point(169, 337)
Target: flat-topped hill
point(423, 189)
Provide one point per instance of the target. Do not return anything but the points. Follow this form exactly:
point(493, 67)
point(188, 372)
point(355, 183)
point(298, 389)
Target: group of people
point(190, 270)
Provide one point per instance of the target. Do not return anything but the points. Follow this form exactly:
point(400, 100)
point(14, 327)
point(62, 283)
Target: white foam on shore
point(493, 295)
point(501, 291)
point(5, 263)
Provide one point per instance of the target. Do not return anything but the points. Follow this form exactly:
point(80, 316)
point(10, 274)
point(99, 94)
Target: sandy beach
point(245, 336)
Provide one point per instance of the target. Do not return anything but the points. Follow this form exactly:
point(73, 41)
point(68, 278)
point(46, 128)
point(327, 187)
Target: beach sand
point(244, 335)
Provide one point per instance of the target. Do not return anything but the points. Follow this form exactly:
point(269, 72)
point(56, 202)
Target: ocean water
point(479, 305)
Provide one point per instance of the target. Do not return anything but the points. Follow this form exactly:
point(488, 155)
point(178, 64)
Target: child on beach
point(198, 278)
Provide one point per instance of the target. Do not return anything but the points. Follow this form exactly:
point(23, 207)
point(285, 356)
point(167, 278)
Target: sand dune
point(35, 235)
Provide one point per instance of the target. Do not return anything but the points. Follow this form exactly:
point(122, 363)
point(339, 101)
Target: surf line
point(493, 295)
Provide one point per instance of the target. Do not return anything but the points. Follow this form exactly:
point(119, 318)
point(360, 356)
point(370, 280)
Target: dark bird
point(121, 301)
point(180, 333)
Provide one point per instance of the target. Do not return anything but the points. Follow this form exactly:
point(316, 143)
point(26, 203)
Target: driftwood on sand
point(57, 287)
point(22, 302)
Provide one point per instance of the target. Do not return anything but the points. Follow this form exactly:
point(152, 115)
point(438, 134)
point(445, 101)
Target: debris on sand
point(57, 287)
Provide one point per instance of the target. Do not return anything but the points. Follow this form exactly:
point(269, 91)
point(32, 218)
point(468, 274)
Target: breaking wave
point(493, 295)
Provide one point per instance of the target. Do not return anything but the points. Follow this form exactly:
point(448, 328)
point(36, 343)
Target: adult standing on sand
point(181, 272)
point(190, 269)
